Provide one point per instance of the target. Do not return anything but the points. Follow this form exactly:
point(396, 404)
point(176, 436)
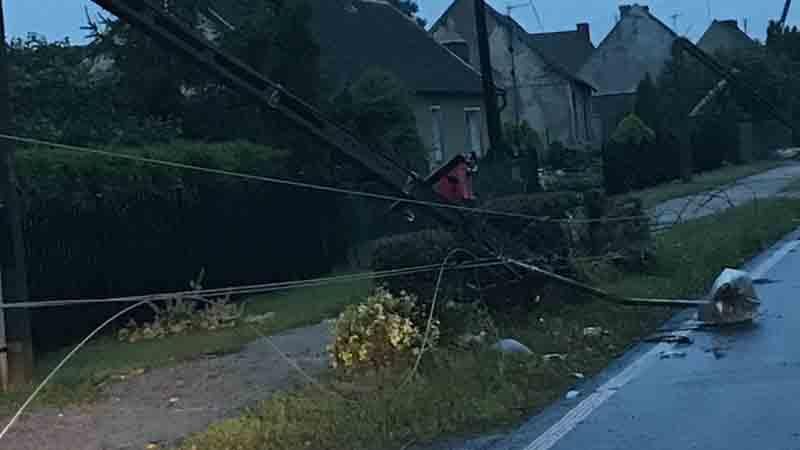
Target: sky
point(57, 19)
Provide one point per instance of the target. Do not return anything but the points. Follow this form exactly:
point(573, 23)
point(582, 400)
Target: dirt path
point(164, 405)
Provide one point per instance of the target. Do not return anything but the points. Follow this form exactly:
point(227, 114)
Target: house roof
point(541, 43)
point(356, 35)
point(571, 48)
point(725, 35)
point(638, 44)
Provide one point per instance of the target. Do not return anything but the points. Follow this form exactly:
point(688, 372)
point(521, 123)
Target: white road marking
point(587, 406)
point(767, 265)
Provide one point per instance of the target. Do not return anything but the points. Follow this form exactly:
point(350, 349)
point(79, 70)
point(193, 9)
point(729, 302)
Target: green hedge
point(98, 227)
point(636, 157)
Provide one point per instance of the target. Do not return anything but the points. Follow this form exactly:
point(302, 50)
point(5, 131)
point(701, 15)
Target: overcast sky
point(57, 19)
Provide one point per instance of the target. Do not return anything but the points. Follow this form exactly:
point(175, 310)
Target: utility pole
point(18, 338)
point(514, 81)
point(489, 88)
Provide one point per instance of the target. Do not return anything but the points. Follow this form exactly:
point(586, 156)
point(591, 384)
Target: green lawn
point(465, 392)
point(792, 187)
point(107, 358)
point(702, 182)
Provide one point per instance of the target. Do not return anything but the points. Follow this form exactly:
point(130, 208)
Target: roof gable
point(561, 64)
point(356, 35)
point(638, 44)
point(725, 35)
point(571, 48)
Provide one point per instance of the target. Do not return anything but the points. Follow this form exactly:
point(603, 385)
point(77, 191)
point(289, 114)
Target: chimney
point(459, 47)
point(583, 30)
point(626, 10)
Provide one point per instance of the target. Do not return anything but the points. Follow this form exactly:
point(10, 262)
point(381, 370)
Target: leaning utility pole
point(489, 89)
point(18, 348)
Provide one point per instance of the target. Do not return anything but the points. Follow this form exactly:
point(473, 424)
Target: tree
point(272, 36)
point(410, 8)
point(647, 105)
point(377, 107)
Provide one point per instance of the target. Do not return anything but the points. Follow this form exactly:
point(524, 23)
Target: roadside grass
point(792, 187)
point(702, 182)
point(107, 359)
point(463, 392)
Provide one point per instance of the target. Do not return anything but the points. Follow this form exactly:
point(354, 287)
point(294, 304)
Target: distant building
point(725, 36)
point(548, 93)
point(639, 44)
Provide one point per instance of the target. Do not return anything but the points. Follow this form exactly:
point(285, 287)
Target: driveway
point(764, 185)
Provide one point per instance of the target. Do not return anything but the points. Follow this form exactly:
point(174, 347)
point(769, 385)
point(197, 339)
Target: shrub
point(633, 131)
point(180, 316)
point(384, 332)
point(526, 146)
point(99, 227)
point(635, 157)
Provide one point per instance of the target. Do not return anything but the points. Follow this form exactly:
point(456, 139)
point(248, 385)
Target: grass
point(702, 182)
point(464, 392)
point(105, 359)
point(792, 187)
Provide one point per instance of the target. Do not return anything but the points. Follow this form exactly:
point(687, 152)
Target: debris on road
point(672, 355)
point(733, 300)
point(571, 395)
point(677, 339)
point(512, 346)
point(554, 356)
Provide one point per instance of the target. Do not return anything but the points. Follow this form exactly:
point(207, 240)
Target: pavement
point(764, 185)
point(732, 389)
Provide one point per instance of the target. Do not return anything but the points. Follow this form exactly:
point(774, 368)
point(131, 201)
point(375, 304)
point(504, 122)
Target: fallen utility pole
point(161, 26)
point(16, 345)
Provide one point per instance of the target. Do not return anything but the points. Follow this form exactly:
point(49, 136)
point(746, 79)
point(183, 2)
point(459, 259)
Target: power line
point(260, 288)
point(310, 186)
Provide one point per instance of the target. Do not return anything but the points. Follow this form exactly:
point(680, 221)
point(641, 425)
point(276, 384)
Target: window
point(474, 127)
point(437, 146)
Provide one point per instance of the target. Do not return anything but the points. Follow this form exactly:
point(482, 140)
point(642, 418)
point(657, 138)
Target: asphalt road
point(763, 185)
point(733, 390)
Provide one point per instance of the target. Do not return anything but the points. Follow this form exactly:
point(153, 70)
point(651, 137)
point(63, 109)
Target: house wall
point(453, 118)
point(544, 95)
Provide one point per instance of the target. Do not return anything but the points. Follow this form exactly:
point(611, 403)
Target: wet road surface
point(733, 390)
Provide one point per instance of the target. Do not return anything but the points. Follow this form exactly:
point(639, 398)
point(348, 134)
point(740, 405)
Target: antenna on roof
point(744, 21)
point(674, 18)
point(708, 10)
point(511, 7)
point(536, 13)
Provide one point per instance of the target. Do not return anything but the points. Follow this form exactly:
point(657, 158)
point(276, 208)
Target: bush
point(526, 146)
point(427, 247)
point(636, 157)
point(386, 331)
point(180, 316)
point(107, 227)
